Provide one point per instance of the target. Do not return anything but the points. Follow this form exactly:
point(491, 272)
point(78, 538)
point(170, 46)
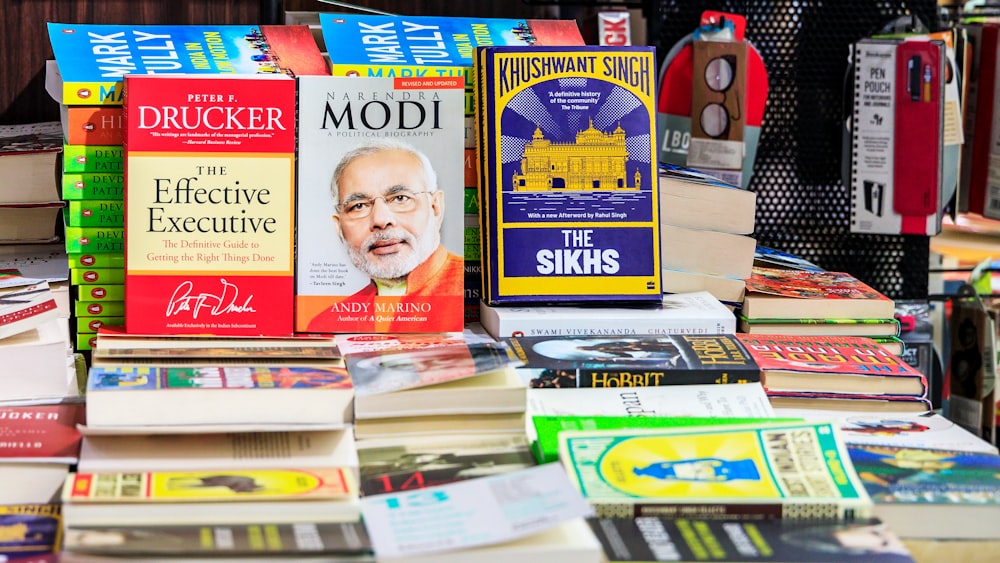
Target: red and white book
point(24, 303)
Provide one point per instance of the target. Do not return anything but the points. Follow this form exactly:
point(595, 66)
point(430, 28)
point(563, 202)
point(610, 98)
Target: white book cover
point(680, 313)
point(898, 429)
point(198, 452)
point(381, 187)
point(746, 400)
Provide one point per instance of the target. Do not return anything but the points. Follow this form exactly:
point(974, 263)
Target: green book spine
point(105, 292)
point(91, 324)
point(97, 276)
point(95, 239)
point(99, 308)
point(85, 340)
point(93, 158)
point(93, 185)
point(95, 213)
point(547, 428)
point(85, 260)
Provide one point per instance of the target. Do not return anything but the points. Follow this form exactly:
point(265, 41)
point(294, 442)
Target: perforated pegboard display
point(803, 207)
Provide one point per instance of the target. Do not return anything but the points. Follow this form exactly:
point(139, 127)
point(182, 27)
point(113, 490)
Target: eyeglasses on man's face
point(359, 206)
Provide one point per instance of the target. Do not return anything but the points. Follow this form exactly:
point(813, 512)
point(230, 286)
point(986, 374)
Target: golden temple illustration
point(596, 161)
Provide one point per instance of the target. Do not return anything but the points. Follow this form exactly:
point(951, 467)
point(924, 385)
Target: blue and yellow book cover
point(126, 378)
point(93, 58)
point(782, 470)
point(30, 531)
point(428, 46)
point(569, 202)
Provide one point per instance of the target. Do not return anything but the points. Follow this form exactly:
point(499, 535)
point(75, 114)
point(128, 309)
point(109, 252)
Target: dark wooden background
point(25, 43)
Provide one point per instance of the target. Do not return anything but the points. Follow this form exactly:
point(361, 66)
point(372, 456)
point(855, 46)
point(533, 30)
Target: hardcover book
point(774, 293)
point(627, 540)
point(149, 396)
point(230, 496)
point(429, 46)
point(209, 207)
point(380, 192)
point(569, 202)
point(305, 539)
point(633, 361)
point(784, 470)
point(389, 466)
point(93, 185)
point(92, 58)
point(931, 493)
point(848, 365)
point(683, 313)
point(30, 223)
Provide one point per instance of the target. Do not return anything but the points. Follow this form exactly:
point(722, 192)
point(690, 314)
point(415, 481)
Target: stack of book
point(817, 303)
point(843, 373)
point(705, 228)
point(29, 197)
point(263, 423)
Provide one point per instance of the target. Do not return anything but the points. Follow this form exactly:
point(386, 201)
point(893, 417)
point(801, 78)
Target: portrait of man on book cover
point(380, 216)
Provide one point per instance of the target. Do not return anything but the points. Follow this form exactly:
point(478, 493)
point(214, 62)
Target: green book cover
point(95, 276)
point(106, 292)
point(94, 158)
point(99, 308)
point(86, 260)
point(95, 239)
point(547, 428)
point(94, 213)
point(93, 185)
point(775, 470)
point(91, 324)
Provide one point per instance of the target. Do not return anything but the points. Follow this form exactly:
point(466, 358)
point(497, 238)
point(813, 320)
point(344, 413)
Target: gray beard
point(393, 267)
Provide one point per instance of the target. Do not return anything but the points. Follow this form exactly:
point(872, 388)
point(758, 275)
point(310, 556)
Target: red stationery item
point(917, 157)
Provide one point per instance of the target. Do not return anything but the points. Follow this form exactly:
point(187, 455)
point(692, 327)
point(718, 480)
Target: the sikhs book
point(569, 199)
point(380, 205)
point(209, 205)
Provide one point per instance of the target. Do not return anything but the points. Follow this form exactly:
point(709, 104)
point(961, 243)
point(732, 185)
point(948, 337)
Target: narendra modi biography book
point(380, 205)
point(209, 205)
point(569, 184)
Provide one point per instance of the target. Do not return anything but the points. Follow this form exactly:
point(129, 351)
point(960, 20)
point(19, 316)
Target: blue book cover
point(29, 530)
point(570, 200)
point(428, 46)
point(93, 58)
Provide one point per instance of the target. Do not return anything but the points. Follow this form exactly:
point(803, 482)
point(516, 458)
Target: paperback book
point(31, 531)
point(92, 59)
point(772, 470)
point(102, 159)
point(924, 493)
point(380, 190)
point(648, 538)
point(278, 496)
point(569, 201)
point(820, 327)
point(429, 46)
point(39, 445)
point(93, 185)
point(386, 371)
point(150, 396)
point(299, 539)
point(24, 307)
point(92, 125)
point(209, 208)
point(682, 313)
point(95, 213)
point(627, 361)
point(848, 365)
point(389, 466)
point(774, 293)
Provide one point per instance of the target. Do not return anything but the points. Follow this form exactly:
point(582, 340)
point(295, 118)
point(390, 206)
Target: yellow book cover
point(210, 486)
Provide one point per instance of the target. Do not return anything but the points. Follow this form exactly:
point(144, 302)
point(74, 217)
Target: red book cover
point(983, 135)
point(804, 284)
point(92, 125)
point(40, 432)
point(848, 365)
point(209, 204)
